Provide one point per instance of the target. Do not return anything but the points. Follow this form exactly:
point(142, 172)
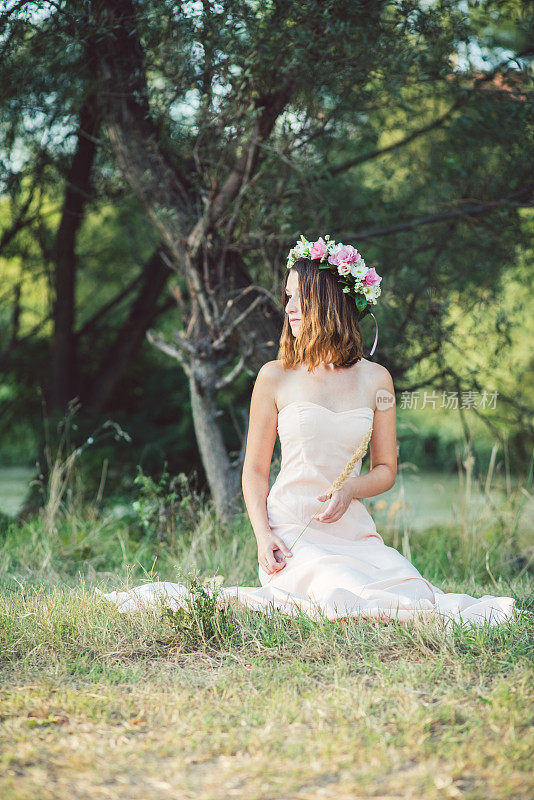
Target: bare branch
point(251, 288)
point(270, 107)
point(20, 222)
point(426, 381)
point(251, 240)
point(158, 341)
point(183, 342)
point(437, 123)
point(198, 291)
point(105, 309)
point(225, 334)
point(177, 294)
point(232, 375)
point(462, 211)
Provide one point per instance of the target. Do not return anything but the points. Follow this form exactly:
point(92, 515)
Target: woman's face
point(293, 301)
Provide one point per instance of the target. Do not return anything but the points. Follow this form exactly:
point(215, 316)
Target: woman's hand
point(337, 505)
point(272, 553)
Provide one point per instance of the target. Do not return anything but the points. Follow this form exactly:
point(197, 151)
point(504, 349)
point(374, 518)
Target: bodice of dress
point(321, 439)
point(316, 445)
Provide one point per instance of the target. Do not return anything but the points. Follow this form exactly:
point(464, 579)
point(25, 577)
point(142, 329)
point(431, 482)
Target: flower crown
point(360, 281)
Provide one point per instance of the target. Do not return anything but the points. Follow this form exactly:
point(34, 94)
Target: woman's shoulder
point(382, 382)
point(271, 369)
point(270, 374)
point(376, 373)
point(374, 368)
point(269, 380)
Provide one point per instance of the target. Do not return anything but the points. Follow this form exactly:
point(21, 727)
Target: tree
point(238, 125)
point(262, 87)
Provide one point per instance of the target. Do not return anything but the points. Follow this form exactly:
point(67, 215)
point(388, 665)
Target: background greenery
point(401, 126)
point(434, 120)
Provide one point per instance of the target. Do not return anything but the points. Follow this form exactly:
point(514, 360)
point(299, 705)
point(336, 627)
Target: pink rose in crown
point(319, 249)
point(343, 269)
point(371, 278)
point(346, 255)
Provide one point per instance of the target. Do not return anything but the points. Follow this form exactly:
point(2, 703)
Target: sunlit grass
point(218, 701)
point(272, 706)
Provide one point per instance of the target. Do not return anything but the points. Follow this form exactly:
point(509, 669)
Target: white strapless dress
point(341, 568)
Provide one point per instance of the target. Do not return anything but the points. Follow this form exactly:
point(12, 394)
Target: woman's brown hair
point(329, 329)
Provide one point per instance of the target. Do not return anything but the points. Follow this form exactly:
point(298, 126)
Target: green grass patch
point(219, 701)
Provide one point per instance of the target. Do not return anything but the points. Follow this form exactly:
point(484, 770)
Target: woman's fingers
point(270, 562)
point(283, 547)
point(332, 514)
point(328, 512)
point(272, 558)
point(267, 566)
point(328, 509)
point(279, 553)
point(280, 560)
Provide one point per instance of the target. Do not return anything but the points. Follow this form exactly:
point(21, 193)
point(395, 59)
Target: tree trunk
point(223, 479)
point(64, 380)
point(171, 203)
point(129, 338)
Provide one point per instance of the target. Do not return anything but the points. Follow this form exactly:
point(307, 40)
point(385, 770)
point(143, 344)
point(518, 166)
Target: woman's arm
point(383, 445)
point(261, 438)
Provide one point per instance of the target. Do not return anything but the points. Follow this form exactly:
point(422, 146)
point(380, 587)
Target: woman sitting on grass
point(327, 402)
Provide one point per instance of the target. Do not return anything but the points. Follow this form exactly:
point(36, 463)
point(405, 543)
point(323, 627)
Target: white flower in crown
point(344, 269)
point(302, 249)
point(371, 292)
point(335, 248)
point(358, 269)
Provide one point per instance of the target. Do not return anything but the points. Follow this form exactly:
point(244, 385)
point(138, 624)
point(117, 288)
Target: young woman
point(322, 390)
point(321, 396)
point(326, 401)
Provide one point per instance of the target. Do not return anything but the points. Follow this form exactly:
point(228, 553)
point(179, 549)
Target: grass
point(97, 704)
point(115, 705)
point(220, 702)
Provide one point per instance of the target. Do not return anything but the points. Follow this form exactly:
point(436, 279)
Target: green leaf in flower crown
point(361, 302)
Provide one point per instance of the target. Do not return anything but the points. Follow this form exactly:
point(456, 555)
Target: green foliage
point(392, 123)
point(166, 507)
point(205, 622)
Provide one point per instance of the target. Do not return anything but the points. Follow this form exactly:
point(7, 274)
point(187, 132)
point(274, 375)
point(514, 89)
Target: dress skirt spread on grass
point(338, 569)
